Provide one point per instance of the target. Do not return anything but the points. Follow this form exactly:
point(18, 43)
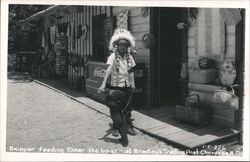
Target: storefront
point(75, 43)
point(170, 43)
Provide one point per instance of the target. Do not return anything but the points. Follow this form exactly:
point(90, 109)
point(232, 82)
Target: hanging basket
point(148, 40)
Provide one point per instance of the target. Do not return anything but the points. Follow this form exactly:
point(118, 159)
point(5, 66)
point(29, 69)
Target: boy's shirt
point(121, 78)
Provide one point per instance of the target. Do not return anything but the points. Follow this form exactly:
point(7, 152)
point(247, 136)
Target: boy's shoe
point(123, 142)
point(131, 131)
point(115, 133)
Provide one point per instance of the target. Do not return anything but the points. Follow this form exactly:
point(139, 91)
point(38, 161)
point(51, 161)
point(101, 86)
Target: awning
point(43, 13)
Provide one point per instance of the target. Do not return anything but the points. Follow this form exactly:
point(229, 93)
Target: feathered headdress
point(119, 34)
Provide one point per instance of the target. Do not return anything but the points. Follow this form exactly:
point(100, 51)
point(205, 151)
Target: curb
point(65, 94)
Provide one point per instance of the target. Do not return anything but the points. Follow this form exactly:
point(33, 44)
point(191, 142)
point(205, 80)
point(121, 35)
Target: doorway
point(166, 57)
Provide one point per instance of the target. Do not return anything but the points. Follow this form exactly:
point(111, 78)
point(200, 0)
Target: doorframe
point(154, 52)
point(240, 69)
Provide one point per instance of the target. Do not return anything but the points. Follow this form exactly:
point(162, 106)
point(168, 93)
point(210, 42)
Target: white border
point(7, 156)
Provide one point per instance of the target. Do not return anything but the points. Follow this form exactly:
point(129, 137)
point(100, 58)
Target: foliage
point(21, 39)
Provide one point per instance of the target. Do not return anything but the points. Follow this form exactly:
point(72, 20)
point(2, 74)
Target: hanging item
point(122, 20)
point(61, 54)
point(192, 15)
point(52, 20)
point(52, 34)
point(208, 40)
point(76, 60)
point(148, 40)
point(68, 30)
point(144, 11)
point(227, 73)
point(231, 16)
point(72, 36)
point(108, 32)
point(82, 31)
point(79, 31)
point(43, 39)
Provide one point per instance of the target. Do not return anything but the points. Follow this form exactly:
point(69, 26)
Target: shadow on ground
point(18, 77)
point(58, 84)
point(63, 86)
point(108, 135)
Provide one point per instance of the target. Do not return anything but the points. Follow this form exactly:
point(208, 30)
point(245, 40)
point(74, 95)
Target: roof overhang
point(49, 11)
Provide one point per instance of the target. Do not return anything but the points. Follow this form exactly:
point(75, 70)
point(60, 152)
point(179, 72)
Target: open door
point(166, 57)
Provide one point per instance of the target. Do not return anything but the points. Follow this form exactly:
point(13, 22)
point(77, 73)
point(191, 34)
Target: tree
point(18, 38)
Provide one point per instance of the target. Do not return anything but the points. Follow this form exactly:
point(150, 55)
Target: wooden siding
point(82, 15)
point(76, 15)
point(138, 26)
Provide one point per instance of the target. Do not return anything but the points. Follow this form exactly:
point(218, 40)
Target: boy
point(121, 68)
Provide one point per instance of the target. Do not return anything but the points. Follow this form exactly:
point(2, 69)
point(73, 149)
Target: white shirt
point(120, 78)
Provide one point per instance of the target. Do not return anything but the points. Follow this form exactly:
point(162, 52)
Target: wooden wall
point(82, 15)
point(138, 25)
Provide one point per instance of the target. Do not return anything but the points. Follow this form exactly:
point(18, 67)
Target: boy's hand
point(102, 88)
point(133, 86)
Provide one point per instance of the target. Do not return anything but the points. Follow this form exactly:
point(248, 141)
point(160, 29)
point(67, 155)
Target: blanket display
point(209, 32)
